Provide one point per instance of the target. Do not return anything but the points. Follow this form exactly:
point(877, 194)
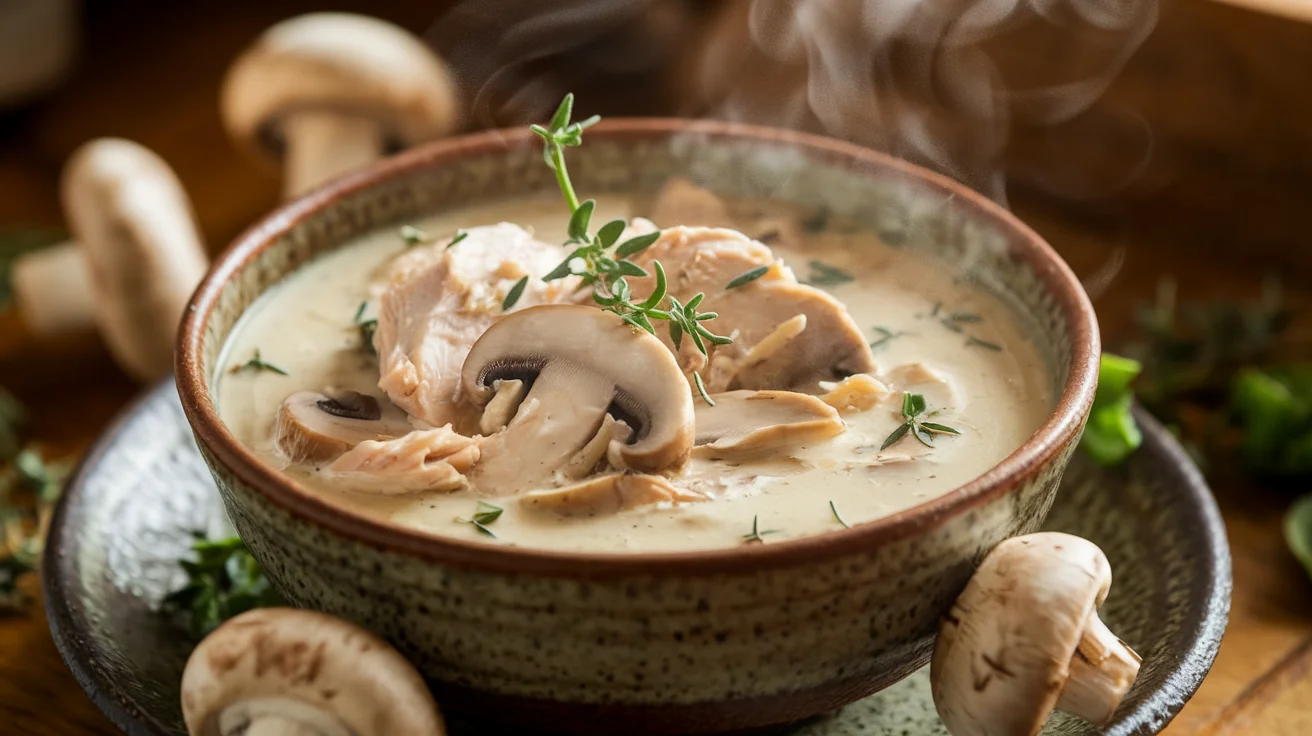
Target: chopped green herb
point(29, 488)
point(701, 388)
point(839, 518)
point(975, 341)
point(885, 336)
point(256, 363)
point(367, 328)
point(515, 293)
point(359, 312)
point(459, 236)
point(1111, 434)
point(747, 277)
point(413, 236)
point(757, 534)
point(223, 580)
point(484, 515)
point(823, 274)
point(913, 415)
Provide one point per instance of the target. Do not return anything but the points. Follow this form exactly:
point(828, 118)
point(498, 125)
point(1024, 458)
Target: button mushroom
point(136, 258)
point(1024, 638)
point(315, 427)
point(607, 494)
point(288, 672)
point(329, 92)
point(580, 364)
point(746, 423)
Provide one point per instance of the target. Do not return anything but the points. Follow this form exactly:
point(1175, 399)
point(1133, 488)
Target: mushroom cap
point(316, 427)
point(1004, 651)
point(650, 394)
point(753, 422)
point(343, 62)
point(129, 213)
point(298, 662)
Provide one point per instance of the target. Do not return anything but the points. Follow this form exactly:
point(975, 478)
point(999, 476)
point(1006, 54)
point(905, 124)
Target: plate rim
point(1185, 673)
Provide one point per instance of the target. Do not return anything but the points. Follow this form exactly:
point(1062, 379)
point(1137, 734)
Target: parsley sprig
point(913, 409)
point(223, 580)
point(602, 262)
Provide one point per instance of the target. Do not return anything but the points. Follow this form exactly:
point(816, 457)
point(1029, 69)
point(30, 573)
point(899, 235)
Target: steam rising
point(939, 82)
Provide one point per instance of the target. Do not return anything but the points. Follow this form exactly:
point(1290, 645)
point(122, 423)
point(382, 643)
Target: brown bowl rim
point(1057, 432)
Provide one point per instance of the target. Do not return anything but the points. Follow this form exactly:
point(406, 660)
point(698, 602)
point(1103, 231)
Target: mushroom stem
point(52, 288)
point(323, 144)
point(1101, 672)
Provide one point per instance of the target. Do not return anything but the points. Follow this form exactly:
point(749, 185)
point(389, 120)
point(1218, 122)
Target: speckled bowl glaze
point(709, 641)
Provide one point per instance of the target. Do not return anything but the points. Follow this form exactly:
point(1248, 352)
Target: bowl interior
point(907, 206)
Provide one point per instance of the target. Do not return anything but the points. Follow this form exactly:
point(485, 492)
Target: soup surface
point(952, 344)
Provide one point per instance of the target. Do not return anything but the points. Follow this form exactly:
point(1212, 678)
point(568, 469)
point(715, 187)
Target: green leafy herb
point(367, 328)
point(839, 518)
point(29, 488)
point(256, 363)
point(913, 416)
point(223, 580)
point(359, 312)
point(757, 534)
point(413, 236)
point(976, 342)
point(1273, 408)
point(823, 274)
point(1298, 531)
point(600, 263)
point(459, 236)
point(701, 388)
point(747, 278)
point(484, 515)
point(885, 336)
point(1111, 434)
point(514, 294)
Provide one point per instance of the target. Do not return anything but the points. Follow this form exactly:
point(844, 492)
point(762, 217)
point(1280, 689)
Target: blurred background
point(1163, 148)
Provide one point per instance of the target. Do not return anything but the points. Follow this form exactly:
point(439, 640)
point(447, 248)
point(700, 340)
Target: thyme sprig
point(913, 408)
point(484, 515)
point(256, 363)
point(838, 517)
point(223, 580)
point(367, 328)
point(757, 535)
point(602, 262)
point(886, 336)
point(823, 274)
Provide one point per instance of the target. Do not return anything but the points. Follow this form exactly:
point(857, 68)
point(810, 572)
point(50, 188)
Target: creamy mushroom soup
point(861, 380)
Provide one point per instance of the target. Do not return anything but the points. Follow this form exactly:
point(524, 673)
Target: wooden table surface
point(1221, 201)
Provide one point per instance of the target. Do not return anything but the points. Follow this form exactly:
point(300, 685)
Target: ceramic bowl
point(716, 640)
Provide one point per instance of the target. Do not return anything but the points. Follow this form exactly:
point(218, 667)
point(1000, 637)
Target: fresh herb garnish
point(701, 388)
point(484, 514)
point(367, 328)
point(823, 274)
point(459, 236)
point(413, 236)
point(514, 294)
point(600, 261)
point(29, 488)
point(976, 342)
point(1111, 433)
point(359, 312)
point(837, 516)
point(955, 320)
point(747, 278)
point(885, 336)
point(913, 407)
point(256, 363)
point(757, 534)
point(223, 580)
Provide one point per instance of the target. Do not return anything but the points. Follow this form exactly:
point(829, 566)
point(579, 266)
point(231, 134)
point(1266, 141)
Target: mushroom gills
point(747, 423)
point(276, 716)
point(313, 427)
point(607, 494)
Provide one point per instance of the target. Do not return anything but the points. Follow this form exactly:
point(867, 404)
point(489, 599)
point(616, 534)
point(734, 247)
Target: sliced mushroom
point(607, 494)
point(581, 363)
point(138, 256)
point(330, 92)
point(433, 460)
point(855, 393)
point(312, 427)
point(744, 423)
point(300, 673)
point(501, 409)
point(613, 433)
point(1024, 638)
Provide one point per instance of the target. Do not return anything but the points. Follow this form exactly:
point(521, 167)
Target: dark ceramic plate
point(129, 511)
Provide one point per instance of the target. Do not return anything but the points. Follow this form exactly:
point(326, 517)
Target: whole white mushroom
point(289, 672)
point(1024, 638)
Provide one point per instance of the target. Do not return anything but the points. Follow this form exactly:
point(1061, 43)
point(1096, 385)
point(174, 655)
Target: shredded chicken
point(432, 460)
point(435, 302)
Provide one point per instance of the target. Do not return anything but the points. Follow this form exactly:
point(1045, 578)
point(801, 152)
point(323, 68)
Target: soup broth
point(930, 334)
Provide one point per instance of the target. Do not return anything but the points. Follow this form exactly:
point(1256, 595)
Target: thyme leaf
point(913, 415)
point(837, 516)
point(514, 294)
point(413, 236)
point(748, 277)
point(256, 363)
point(757, 534)
point(886, 336)
point(976, 342)
point(701, 388)
point(823, 274)
point(484, 515)
point(459, 236)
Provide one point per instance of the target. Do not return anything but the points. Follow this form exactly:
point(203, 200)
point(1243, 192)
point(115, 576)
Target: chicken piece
point(436, 302)
point(607, 494)
point(855, 393)
point(432, 460)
